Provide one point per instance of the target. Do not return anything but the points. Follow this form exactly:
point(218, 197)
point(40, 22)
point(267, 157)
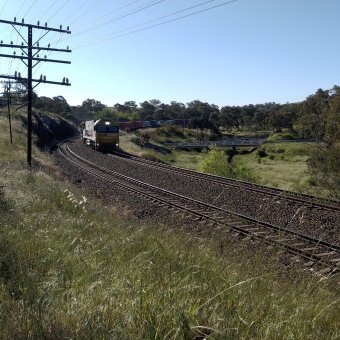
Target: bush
point(261, 153)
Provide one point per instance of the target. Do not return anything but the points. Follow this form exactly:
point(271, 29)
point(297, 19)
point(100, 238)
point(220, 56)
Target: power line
point(162, 23)
point(58, 10)
point(30, 7)
point(45, 11)
point(85, 12)
point(77, 10)
point(105, 15)
point(3, 6)
point(121, 17)
point(21, 7)
point(148, 22)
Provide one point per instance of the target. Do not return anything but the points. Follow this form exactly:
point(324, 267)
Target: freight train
point(100, 134)
point(104, 135)
point(152, 124)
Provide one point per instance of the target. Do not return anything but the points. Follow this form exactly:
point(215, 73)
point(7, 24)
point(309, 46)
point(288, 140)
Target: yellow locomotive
point(100, 134)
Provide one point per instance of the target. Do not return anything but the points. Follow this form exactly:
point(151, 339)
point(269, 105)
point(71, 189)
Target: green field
point(284, 166)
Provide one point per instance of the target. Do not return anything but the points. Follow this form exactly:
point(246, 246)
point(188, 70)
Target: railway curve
point(315, 250)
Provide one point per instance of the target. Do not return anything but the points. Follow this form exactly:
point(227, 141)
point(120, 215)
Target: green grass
point(71, 268)
point(284, 166)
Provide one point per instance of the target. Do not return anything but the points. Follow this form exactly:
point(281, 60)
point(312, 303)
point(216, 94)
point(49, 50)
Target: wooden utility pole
point(30, 54)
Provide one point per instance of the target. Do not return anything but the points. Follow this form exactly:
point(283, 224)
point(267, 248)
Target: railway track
point(322, 255)
point(302, 199)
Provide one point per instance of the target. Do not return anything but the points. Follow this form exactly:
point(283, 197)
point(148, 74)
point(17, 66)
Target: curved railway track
point(302, 199)
point(317, 253)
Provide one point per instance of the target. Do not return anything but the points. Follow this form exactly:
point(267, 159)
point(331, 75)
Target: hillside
point(74, 266)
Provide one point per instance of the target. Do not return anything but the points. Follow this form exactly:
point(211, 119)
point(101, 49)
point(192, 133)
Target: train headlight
point(117, 145)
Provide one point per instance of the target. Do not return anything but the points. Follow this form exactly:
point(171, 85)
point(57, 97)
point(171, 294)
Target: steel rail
point(303, 199)
point(331, 263)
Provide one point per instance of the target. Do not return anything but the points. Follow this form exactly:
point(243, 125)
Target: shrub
point(261, 153)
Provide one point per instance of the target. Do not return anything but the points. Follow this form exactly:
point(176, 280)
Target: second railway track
point(316, 252)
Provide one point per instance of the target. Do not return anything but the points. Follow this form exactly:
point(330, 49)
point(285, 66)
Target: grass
point(71, 268)
point(284, 166)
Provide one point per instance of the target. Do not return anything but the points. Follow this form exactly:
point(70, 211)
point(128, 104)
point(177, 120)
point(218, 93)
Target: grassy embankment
point(72, 269)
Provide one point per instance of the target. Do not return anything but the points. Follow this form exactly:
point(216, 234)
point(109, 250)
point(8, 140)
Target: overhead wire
point(58, 10)
point(136, 10)
point(148, 22)
point(162, 23)
point(21, 7)
point(30, 8)
point(85, 12)
point(77, 10)
point(15, 15)
point(3, 7)
point(45, 11)
point(105, 15)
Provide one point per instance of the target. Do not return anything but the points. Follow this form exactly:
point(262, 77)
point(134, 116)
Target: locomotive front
point(101, 134)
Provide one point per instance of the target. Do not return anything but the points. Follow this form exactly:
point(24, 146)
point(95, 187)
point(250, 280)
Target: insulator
point(19, 75)
point(49, 45)
point(15, 19)
point(38, 43)
point(45, 24)
point(44, 78)
point(22, 44)
point(45, 56)
point(38, 23)
point(11, 42)
point(61, 26)
point(67, 47)
point(68, 28)
point(38, 56)
point(41, 77)
point(23, 21)
point(66, 80)
point(15, 74)
point(1, 41)
point(14, 53)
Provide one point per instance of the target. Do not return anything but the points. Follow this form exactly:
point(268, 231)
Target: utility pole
point(7, 88)
point(30, 53)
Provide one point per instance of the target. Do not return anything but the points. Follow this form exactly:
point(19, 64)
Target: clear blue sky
point(245, 52)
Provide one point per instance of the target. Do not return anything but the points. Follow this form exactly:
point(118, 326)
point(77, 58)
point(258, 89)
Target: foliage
point(71, 268)
point(261, 153)
point(217, 163)
point(325, 128)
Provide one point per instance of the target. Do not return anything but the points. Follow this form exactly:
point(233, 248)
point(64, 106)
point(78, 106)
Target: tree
point(215, 163)
point(324, 163)
point(107, 114)
point(93, 105)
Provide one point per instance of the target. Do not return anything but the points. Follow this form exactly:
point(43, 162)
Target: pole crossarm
point(64, 83)
point(29, 53)
point(35, 59)
point(35, 48)
point(14, 23)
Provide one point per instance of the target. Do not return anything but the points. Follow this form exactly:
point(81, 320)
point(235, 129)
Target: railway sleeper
point(326, 270)
point(325, 254)
point(337, 261)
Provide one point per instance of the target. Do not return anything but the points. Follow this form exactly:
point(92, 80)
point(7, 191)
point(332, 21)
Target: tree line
point(317, 117)
point(307, 117)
